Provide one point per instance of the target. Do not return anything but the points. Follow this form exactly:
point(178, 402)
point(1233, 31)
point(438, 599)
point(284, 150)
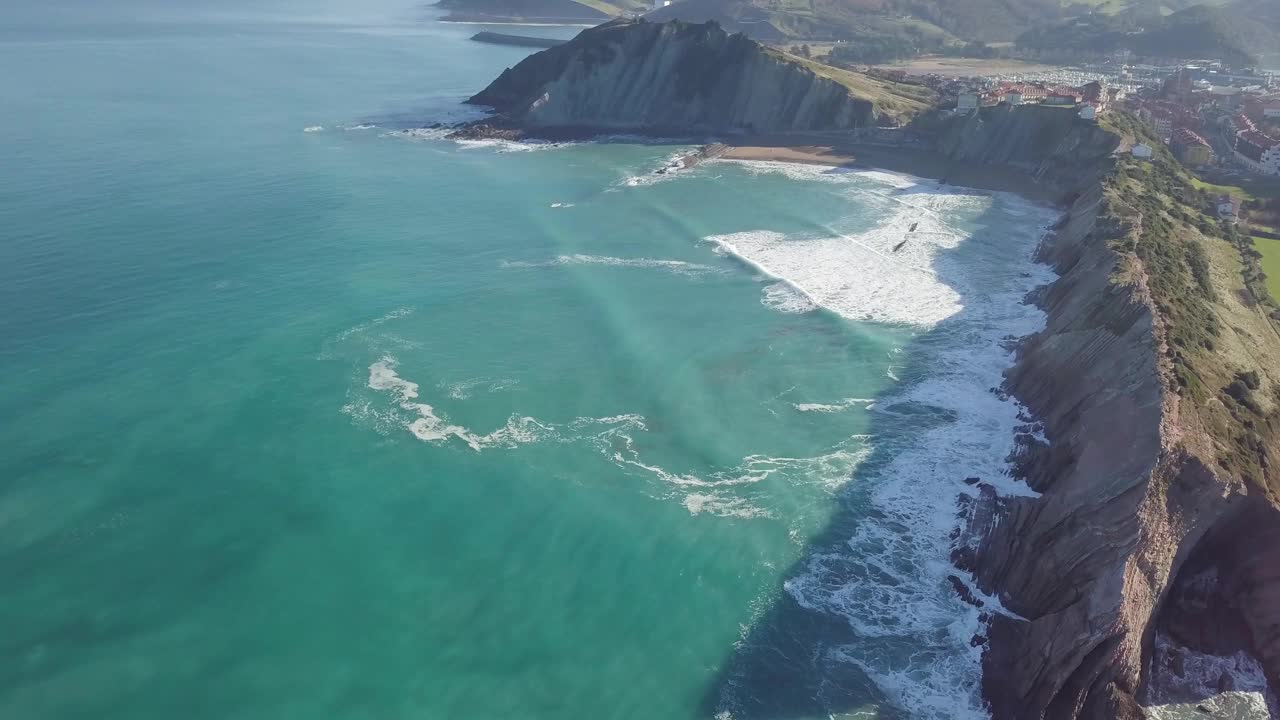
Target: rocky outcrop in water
point(678, 78)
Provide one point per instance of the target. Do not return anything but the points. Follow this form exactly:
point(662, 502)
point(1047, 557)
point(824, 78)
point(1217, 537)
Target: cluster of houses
point(1184, 112)
point(1088, 100)
point(1191, 148)
point(1256, 134)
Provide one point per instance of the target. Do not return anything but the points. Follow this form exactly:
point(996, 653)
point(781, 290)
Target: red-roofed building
point(1191, 148)
point(1160, 120)
point(1242, 123)
point(1259, 152)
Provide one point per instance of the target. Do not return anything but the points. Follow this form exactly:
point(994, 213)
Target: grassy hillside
point(1270, 261)
point(925, 24)
point(1216, 321)
point(887, 30)
point(898, 101)
point(1237, 32)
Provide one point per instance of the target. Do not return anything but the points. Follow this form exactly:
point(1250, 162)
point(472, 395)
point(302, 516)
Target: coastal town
point(1222, 123)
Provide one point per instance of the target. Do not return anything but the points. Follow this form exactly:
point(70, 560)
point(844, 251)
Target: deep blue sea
point(308, 413)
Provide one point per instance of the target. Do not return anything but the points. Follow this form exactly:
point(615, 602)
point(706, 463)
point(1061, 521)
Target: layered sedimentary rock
point(682, 78)
point(1051, 143)
point(1136, 503)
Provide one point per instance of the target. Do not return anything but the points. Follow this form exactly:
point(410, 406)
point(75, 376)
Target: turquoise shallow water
point(351, 423)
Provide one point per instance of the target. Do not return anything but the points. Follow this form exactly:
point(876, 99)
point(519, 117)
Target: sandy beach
point(912, 161)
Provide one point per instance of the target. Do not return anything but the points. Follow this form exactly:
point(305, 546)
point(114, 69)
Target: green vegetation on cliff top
point(900, 102)
point(1214, 314)
point(1270, 261)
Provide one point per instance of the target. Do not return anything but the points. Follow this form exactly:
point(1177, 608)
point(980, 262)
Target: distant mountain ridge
point(1238, 31)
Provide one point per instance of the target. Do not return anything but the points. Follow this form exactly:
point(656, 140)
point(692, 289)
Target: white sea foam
point(722, 506)
point(428, 425)
point(561, 205)
point(442, 133)
point(830, 470)
point(463, 390)
point(827, 173)
point(366, 326)
point(784, 298)
point(841, 406)
point(510, 146)
point(890, 580)
point(360, 329)
point(679, 267)
point(428, 133)
point(313, 129)
point(1174, 696)
point(359, 126)
point(672, 167)
point(614, 437)
point(887, 274)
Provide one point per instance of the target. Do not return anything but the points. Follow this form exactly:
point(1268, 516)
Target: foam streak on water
point(889, 580)
point(613, 437)
point(679, 267)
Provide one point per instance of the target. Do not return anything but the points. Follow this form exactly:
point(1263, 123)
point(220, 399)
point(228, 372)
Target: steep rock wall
point(1126, 498)
point(634, 75)
point(1051, 143)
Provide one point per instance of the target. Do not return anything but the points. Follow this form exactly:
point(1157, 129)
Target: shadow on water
point(801, 663)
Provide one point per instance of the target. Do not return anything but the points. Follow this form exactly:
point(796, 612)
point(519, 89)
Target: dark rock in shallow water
point(517, 40)
point(963, 591)
point(486, 131)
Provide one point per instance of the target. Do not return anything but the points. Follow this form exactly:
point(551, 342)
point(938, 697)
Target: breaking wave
point(894, 273)
point(890, 581)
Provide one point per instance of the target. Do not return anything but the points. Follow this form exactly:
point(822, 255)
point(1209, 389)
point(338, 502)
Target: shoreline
point(918, 162)
point(824, 150)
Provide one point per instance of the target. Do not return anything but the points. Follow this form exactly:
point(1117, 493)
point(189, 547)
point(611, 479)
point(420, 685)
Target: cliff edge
point(1156, 384)
point(679, 78)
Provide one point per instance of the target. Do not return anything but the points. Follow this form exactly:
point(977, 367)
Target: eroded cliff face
point(679, 78)
point(1051, 143)
point(1140, 500)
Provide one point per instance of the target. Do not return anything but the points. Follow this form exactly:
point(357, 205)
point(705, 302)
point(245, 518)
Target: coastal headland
point(1151, 450)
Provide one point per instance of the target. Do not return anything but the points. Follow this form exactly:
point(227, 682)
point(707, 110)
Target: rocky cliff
point(1051, 143)
point(1156, 483)
point(674, 77)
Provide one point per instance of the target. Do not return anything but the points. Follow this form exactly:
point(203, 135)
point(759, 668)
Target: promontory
point(1154, 474)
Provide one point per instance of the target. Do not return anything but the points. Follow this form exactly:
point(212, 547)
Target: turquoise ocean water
point(306, 416)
